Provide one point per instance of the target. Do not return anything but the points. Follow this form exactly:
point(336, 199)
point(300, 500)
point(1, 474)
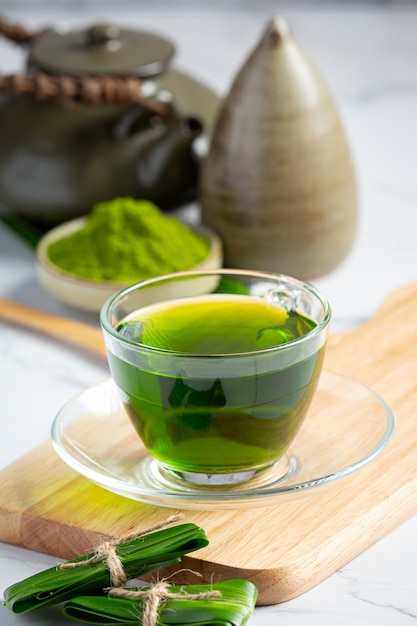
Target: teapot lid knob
point(107, 34)
point(102, 49)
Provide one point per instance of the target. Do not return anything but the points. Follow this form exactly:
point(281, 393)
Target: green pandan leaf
point(139, 556)
point(232, 607)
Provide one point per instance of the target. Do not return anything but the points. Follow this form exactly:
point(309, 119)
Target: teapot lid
point(102, 49)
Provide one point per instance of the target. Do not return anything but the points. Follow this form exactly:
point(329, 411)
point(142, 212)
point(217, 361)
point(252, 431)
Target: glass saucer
point(347, 427)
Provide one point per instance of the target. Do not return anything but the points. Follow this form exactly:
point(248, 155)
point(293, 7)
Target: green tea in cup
point(216, 369)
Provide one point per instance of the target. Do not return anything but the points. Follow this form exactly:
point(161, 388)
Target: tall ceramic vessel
point(278, 184)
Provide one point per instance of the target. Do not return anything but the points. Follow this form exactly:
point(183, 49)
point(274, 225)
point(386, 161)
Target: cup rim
point(316, 331)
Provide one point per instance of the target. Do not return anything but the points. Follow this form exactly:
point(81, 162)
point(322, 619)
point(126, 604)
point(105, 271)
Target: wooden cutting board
point(283, 549)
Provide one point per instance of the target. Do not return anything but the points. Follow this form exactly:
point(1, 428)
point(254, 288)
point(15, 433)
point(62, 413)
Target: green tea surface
point(215, 324)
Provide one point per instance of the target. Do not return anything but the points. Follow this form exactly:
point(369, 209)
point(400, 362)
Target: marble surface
point(368, 53)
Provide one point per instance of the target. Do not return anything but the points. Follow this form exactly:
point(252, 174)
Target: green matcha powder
point(125, 240)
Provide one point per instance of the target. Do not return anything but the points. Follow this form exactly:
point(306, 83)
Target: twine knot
point(106, 552)
point(156, 594)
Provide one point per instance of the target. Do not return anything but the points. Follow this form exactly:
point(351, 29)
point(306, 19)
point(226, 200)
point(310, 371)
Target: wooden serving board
point(283, 549)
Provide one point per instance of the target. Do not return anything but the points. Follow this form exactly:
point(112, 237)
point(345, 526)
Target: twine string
point(156, 594)
point(106, 552)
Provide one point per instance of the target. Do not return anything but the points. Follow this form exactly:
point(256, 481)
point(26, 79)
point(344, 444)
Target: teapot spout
point(167, 165)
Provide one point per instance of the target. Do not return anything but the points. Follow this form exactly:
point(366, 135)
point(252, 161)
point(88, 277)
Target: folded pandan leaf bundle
point(137, 557)
point(228, 603)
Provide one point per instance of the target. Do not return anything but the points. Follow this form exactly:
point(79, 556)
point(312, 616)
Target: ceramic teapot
point(70, 138)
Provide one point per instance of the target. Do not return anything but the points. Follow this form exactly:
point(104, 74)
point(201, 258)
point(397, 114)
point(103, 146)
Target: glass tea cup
point(216, 368)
